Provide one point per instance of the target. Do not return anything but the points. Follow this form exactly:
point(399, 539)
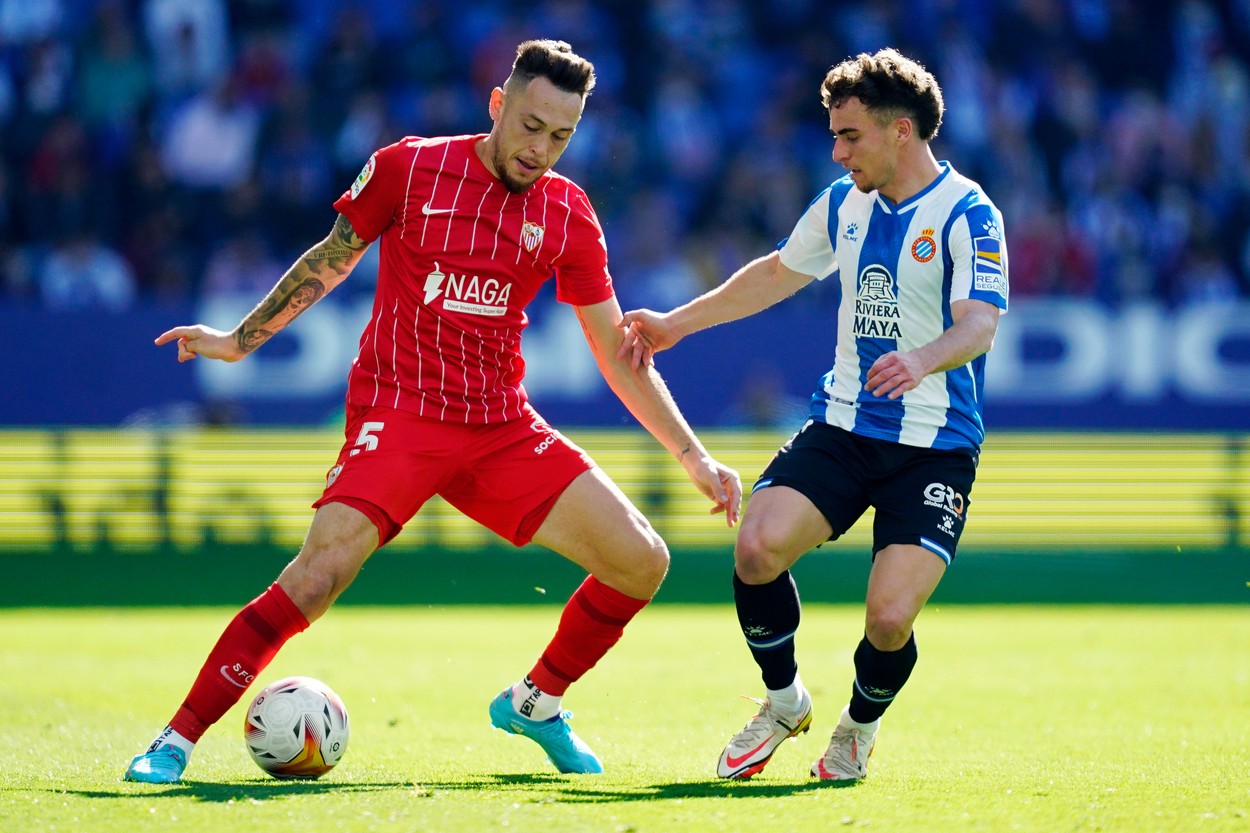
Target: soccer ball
point(296, 728)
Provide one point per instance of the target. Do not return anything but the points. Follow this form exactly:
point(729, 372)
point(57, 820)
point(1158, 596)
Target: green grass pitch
point(1017, 718)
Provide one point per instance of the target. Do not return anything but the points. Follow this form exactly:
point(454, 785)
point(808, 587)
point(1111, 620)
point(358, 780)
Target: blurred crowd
point(165, 150)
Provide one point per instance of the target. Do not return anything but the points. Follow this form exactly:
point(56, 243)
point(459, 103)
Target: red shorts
point(506, 476)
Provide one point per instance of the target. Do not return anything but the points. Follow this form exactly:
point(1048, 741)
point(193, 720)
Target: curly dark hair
point(890, 85)
point(556, 61)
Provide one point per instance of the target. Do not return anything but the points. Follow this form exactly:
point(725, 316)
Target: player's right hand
point(202, 341)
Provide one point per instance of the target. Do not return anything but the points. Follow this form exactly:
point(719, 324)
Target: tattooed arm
point(319, 270)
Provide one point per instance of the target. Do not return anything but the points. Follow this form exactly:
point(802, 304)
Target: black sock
point(879, 675)
point(769, 616)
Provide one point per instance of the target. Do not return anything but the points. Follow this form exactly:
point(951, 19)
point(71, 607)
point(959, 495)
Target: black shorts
point(920, 494)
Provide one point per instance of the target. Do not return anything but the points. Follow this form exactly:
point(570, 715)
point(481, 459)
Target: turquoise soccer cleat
point(163, 765)
point(566, 750)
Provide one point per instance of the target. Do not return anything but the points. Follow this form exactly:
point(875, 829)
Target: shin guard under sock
point(769, 616)
point(879, 676)
point(244, 649)
point(593, 620)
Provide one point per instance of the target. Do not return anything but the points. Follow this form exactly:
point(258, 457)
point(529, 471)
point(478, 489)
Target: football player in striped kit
point(919, 257)
point(470, 228)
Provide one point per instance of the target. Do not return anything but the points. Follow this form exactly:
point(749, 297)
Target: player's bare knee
point(756, 559)
point(888, 629)
point(314, 580)
point(651, 565)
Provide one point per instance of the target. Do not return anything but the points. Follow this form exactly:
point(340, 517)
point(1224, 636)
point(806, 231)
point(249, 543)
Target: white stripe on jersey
point(499, 225)
point(416, 339)
point(451, 218)
point(442, 166)
point(394, 350)
point(477, 215)
point(442, 373)
point(564, 237)
point(464, 362)
point(403, 228)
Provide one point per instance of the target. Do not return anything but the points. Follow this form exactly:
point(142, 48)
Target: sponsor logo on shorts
point(552, 436)
point(947, 525)
point(945, 498)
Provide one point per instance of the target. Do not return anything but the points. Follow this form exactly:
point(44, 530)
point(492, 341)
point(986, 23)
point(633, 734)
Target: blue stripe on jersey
point(964, 385)
point(877, 318)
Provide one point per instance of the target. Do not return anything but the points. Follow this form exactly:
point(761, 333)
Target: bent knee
point(758, 559)
point(313, 580)
point(653, 562)
point(638, 571)
point(888, 629)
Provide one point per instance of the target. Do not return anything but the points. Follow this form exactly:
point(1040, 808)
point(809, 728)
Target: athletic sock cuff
point(610, 603)
point(276, 606)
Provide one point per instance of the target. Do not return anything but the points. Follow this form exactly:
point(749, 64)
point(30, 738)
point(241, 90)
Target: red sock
point(246, 646)
point(592, 622)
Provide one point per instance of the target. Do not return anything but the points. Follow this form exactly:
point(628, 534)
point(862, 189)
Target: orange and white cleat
point(846, 759)
point(750, 750)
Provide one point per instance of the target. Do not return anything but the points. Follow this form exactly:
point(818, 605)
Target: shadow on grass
point(260, 790)
point(591, 790)
point(533, 787)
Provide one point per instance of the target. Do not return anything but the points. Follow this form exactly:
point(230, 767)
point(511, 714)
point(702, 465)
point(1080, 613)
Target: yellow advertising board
point(192, 487)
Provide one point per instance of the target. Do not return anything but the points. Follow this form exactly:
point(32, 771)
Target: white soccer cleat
point(846, 759)
point(750, 750)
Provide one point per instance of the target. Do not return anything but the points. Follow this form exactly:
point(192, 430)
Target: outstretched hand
point(718, 482)
point(202, 341)
point(646, 333)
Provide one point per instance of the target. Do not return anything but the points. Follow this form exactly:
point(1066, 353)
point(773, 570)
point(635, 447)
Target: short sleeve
point(582, 276)
point(808, 250)
point(376, 196)
point(978, 250)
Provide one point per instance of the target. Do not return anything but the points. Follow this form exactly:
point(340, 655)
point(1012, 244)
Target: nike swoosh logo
point(427, 211)
point(734, 763)
point(225, 672)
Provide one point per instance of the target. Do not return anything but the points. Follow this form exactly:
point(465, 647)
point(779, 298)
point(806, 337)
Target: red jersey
point(461, 257)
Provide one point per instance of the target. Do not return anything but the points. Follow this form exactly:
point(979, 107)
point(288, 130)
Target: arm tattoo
point(322, 268)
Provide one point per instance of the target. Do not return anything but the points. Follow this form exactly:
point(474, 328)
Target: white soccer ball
point(296, 728)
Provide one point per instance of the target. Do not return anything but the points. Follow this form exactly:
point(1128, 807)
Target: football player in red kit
point(470, 228)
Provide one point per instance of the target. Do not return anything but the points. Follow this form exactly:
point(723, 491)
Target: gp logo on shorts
point(944, 497)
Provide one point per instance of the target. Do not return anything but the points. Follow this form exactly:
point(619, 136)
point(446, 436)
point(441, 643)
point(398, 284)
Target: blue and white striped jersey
point(899, 268)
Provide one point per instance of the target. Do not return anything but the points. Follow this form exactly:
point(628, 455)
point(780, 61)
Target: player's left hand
point(718, 482)
point(894, 374)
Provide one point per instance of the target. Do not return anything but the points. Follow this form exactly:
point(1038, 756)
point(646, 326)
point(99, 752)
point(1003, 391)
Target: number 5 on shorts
point(368, 439)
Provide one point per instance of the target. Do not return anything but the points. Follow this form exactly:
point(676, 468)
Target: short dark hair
point(556, 61)
point(890, 85)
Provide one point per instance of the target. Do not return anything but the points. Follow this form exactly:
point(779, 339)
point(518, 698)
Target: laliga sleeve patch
point(989, 268)
point(366, 173)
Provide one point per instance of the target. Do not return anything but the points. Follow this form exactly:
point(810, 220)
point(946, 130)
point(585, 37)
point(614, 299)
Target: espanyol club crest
point(531, 236)
point(924, 247)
